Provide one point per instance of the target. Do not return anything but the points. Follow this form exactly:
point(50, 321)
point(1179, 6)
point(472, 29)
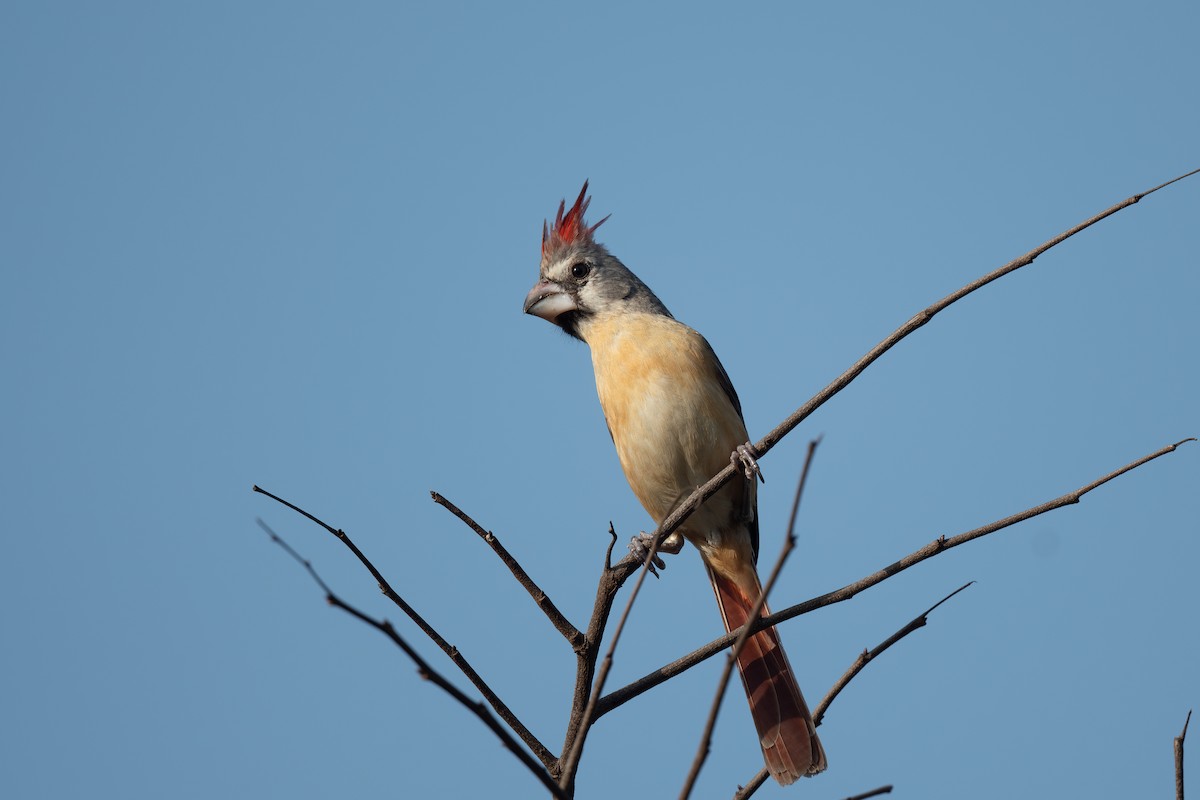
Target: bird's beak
point(548, 300)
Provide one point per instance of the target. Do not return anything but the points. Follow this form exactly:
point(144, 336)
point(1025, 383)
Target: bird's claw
point(746, 457)
point(639, 547)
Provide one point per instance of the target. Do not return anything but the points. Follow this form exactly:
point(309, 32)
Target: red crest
point(569, 227)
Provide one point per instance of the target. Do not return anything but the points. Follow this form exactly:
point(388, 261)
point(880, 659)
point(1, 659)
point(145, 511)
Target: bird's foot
point(746, 457)
point(639, 547)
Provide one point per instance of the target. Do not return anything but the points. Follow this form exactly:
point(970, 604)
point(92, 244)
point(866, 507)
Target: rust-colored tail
point(785, 727)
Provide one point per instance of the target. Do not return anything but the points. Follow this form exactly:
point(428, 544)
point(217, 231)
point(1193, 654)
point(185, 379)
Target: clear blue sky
point(287, 244)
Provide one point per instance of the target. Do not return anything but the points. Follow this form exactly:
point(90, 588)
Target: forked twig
point(570, 761)
point(612, 578)
point(867, 656)
point(423, 669)
point(502, 710)
point(789, 543)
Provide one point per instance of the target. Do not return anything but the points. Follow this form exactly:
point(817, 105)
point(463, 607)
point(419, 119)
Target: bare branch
point(752, 785)
point(873, 793)
point(942, 544)
point(939, 545)
point(612, 578)
point(1179, 758)
point(759, 779)
point(423, 669)
point(570, 761)
point(789, 544)
point(504, 712)
point(867, 656)
point(697, 498)
point(560, 622)
point(927, 314)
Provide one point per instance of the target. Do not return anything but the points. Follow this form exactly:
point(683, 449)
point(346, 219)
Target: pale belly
point(673, 425)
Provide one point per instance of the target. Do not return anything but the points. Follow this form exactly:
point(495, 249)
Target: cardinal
point(676, 422)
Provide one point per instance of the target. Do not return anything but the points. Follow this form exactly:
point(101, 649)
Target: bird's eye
point(581, 269)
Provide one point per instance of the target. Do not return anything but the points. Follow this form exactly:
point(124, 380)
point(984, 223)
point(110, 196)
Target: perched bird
point(676, 422)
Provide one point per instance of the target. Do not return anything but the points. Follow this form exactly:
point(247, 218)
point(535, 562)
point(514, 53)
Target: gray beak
point(548, 300)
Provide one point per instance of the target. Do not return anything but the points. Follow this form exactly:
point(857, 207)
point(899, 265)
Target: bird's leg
point(640, 546)
point(746, 457)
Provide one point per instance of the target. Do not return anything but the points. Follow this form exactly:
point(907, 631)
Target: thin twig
point(505, 713)
point(560, 622)
point(758, 780)
point(697, 498)
point(612, 542)
point(927, 314)
point(789, 543)
point(867, 656)
point(752, 785)
point(1179, 758)
point(939, 545)
point(612, 578)
point(570, 761)
point(873, 793)
point(423, 669)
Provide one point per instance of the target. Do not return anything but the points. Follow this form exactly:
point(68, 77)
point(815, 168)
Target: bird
point(676, 421)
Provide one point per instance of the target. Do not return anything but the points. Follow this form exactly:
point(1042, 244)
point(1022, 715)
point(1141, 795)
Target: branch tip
point(612, 542)
point(947, 597)
point(540, 597)
point(873, 793)
point(1165, 185)
point(867, 656)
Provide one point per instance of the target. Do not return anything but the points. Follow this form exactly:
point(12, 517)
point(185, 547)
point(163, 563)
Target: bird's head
point(579, 279)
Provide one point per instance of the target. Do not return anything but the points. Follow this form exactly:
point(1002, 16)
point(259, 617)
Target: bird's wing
point(745, 493)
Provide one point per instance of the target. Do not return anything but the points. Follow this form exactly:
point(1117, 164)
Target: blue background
point(287, 244)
